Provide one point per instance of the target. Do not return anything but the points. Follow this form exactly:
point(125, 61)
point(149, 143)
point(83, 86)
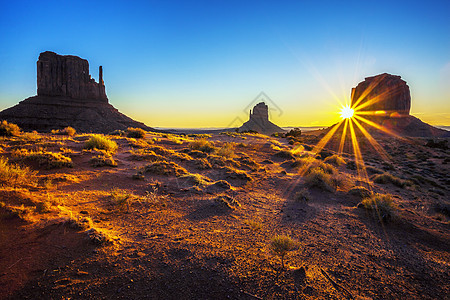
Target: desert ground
point(172, 216)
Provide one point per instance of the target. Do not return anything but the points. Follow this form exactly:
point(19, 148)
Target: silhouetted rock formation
point(259, 121)
point(68, 96)
point(68, 76)
point(385, 99)
point(384, 92)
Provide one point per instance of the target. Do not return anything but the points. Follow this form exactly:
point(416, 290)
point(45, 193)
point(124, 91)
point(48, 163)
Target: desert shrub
point(100, 142)
point(145, 154)
point(302, 195)
point(70, 131)
point(335, 160)
point(79, 223)
point(118, 132)
point(389, 178)
point(9, 129)
point(296, 132)
point(250, 163)
point(226, 150)
point(50, 160)
point(254, 225)
point(103, 160)
point(196, 179)
point(202, 145)
point(287, 154)
point(381, 205)
point(14, 175)
point(121, 198)
point(98, 237)
point(320, 179)
point(165, 168)
point(136, 133)
point(280, 245)
point(360, 192)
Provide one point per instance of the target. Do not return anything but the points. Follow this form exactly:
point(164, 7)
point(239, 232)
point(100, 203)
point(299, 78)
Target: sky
point(186, 64)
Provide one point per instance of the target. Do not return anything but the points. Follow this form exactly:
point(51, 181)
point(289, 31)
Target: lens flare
point(347, 112)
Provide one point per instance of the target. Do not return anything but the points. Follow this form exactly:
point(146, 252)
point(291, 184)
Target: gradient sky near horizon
point(200, 64)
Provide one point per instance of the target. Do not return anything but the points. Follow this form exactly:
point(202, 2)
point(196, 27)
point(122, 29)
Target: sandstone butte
point(68, 96)
point(386, 100)
point(259, 121)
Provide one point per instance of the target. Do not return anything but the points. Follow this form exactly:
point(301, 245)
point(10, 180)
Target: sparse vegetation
point(381, 205)
point(14, 175)
point(66, 131)
point(165, 168)
point(103, 160)
point(389, 178)
point(121, 198)
point(320, 179)
point(360, 192)
point(227, 202)
point(196, 179)
point(202, 145)
point(97, 141)
point(226, 150)
point(280, 245)
point(137, 133)
point(45, 158)
point(302, 195)
point(254, 225)
point(335, 160)
point(9, 129)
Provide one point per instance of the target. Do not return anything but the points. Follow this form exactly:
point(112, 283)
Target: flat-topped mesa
point(384, 94)
point(68, 76)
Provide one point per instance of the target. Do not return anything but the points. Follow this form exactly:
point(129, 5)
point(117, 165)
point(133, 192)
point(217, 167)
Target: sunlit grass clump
point(202, 145)
point(335, 160)
point(389, 178)
point(9, 129)
point(100, 142)
point(45, 158)
point(317, 177)
point(103, 160)
point(70, 131)
point(136, 133)
point(14, 175)
point(226, 150)
point(382, 205)
point(280, 245)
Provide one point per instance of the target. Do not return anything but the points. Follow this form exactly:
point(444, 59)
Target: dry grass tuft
point(227, 202)
point(14, 175)
point(280, 245)
point(165, 168)
point(9, 129)
point(97, 141)
point(48, 159)
point(317, 177)
point(226, 150)
point(103, 160)
point(137, 133)
point(66, 131)
point(381, 205)
point(389, 178)
point(335, 160)
point(202, 145)
point(360, 192)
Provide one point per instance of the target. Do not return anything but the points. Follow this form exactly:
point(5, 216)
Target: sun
point(347, 112)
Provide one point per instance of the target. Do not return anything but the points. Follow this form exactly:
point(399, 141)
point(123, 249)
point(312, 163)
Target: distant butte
point(68, 96)
point(386, 100)
point(259, 121)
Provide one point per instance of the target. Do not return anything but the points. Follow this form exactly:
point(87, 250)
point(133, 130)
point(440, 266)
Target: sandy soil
point(183, 239)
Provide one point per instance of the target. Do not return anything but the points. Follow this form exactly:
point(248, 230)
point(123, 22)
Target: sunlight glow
point(347, 112)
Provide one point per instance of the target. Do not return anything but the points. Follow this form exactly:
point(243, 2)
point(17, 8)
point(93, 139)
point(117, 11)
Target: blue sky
point(179, 64)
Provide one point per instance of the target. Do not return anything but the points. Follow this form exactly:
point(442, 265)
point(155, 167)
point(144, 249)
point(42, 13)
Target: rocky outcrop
point(385, 99)
point(68, 96)
point(382, 93)
point(259, 121)
point(68, 76)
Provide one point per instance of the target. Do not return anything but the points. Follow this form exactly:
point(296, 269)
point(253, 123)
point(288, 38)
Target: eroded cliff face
point(382, 93)
point(68, 76)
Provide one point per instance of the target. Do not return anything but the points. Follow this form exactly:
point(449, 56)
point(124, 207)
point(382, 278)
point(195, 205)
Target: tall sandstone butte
point(388, 99)
point(68, 96)
point(68, 76)
point(259, 121)
point(384, 92)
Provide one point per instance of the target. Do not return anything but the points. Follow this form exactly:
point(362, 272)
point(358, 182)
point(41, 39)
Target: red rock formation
point(384, 92)
point(68, 76)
